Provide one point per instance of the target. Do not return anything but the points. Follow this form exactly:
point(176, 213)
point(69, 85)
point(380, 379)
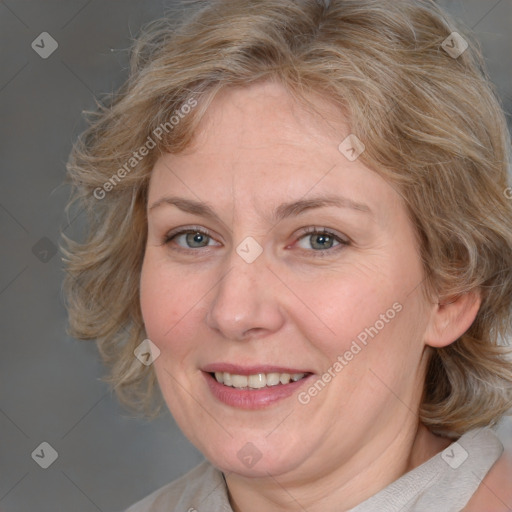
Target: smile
point(257, 380)
point(253, 387)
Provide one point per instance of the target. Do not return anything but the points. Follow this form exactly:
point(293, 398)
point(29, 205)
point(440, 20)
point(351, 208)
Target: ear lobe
point(451, 318)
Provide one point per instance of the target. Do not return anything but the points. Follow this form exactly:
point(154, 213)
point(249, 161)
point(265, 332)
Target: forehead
point(266, 116)
point(257, 143)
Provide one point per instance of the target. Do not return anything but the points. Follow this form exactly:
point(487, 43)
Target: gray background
point(49, 383)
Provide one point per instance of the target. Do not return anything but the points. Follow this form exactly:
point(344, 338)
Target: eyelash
point(169, 237)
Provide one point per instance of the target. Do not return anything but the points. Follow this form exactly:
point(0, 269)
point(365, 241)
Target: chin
point(258, 458)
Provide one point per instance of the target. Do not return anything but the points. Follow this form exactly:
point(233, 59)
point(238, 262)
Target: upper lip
point(236, 369)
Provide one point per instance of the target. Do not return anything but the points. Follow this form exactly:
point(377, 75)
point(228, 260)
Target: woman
point(299, 228)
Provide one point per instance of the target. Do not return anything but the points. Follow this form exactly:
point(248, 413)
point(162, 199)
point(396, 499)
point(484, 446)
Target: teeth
point(257, 381)
point(285, 378)
point(273, 379)
point(239, 381)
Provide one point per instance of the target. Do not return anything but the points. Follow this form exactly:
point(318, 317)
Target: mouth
point(253, 387)
point(256, 380)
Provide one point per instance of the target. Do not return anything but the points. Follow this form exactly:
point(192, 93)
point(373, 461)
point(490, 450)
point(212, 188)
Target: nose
point(245, 303)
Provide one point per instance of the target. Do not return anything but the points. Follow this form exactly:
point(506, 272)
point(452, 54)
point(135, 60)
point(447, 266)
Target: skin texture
point(256, 149)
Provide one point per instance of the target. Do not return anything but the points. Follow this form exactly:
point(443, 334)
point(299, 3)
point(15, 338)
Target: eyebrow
point(283, 211)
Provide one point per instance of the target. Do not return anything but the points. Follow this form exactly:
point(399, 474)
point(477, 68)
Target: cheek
point(173, 303)
point(152, 299)
point(368, 322)
point(164, 300)
point(345, 307)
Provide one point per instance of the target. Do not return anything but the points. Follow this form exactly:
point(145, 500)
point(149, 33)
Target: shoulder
point(183, 491)
point(494, 493)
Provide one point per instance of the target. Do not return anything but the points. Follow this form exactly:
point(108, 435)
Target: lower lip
point(255, 398)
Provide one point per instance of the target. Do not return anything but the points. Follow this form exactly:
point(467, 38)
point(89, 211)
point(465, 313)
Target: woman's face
point(244, 288)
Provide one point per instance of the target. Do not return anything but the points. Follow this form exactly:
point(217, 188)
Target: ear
point(451, 318)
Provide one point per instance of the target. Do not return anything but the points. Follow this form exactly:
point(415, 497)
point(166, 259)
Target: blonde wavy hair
point(433, 128)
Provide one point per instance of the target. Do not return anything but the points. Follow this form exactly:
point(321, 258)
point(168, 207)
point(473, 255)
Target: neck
point(347, 484)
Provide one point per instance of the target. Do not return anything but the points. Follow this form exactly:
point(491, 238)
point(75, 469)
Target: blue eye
point(317, 241)
point(192, 238)
point(320, 240)
point(196, 239)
